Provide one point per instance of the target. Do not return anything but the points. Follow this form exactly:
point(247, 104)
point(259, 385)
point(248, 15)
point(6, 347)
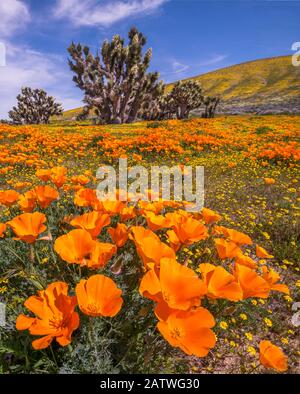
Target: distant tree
point(210, 106)
point(183, 98)
point(34, 107)
point(115, 83)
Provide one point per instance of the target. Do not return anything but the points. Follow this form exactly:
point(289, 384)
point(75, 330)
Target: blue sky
point(188, 37)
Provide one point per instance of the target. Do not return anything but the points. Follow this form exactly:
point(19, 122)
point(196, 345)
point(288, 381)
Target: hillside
point(262, 86)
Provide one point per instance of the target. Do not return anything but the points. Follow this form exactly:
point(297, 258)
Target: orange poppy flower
point(100, 255)
point(178, 286)
point(74, 247)
point(251, 283)
point(58, 176)
point(27, 201)
point(119, 235)
point(44, 175)
point(45, 195)
point(262, 253)
point(272, 356)
point(190, 331)
point(272, 277)
point(8, 197)
point(190, 231)
point(99, 296)
point(235, 236)
point(156, 222)
point(210, 216)
point(174, 241)
point(28, 226)
point(80, 179)
point(127, 213)
point(269, 181)
point(220, 283)
point(2, 229)
point(149, 247)
point(55, 316)
point(245, 260)
point(88, 198)
point(226, 249)
point(93, 222)
point(113, 207)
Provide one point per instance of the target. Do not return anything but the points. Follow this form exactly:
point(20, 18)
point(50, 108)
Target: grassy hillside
point(265, 86)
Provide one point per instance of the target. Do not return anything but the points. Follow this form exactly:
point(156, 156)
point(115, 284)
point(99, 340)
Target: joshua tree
point(184, 97)
point(34, 107)
point(210, 104)
point(115, 83)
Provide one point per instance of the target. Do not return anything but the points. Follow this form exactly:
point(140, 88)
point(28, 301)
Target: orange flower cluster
point(159, 232)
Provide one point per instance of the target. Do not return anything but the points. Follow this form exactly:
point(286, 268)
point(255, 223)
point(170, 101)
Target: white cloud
point(14, 15)
point(179, 67)
point(103, 13)
point(26, 67)
point(214, 60)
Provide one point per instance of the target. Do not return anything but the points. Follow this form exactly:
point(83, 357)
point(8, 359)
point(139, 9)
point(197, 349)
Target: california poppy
point(8, 197)
point(149, 247)
point(2, 229)
point(210, 216)
point(55, 316)
point(99, 296)
point(58, 176)
point(177, 285)
point(74, 247)
point(156, 222)
point(174, 241)
point(28, 226)
point(119, 235)
point(251, 283)
point(44, 175)
point(245, 260)
point(190, 331)
point(235, 236)
point(272, 356)
point(45, 195)
point(190, 231)
point(272, 277)
point(262, 253)
point(220, 283)
point(226, 249)
point(27, 201)
point(101, 253)
point(93, 222)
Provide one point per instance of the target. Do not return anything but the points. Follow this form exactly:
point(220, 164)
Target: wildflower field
point(101, 287)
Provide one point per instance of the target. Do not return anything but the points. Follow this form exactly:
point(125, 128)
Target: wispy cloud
point(14, 15)
point(103, 13)
point(179, 67)
point(27, 67)
point(213, 60)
